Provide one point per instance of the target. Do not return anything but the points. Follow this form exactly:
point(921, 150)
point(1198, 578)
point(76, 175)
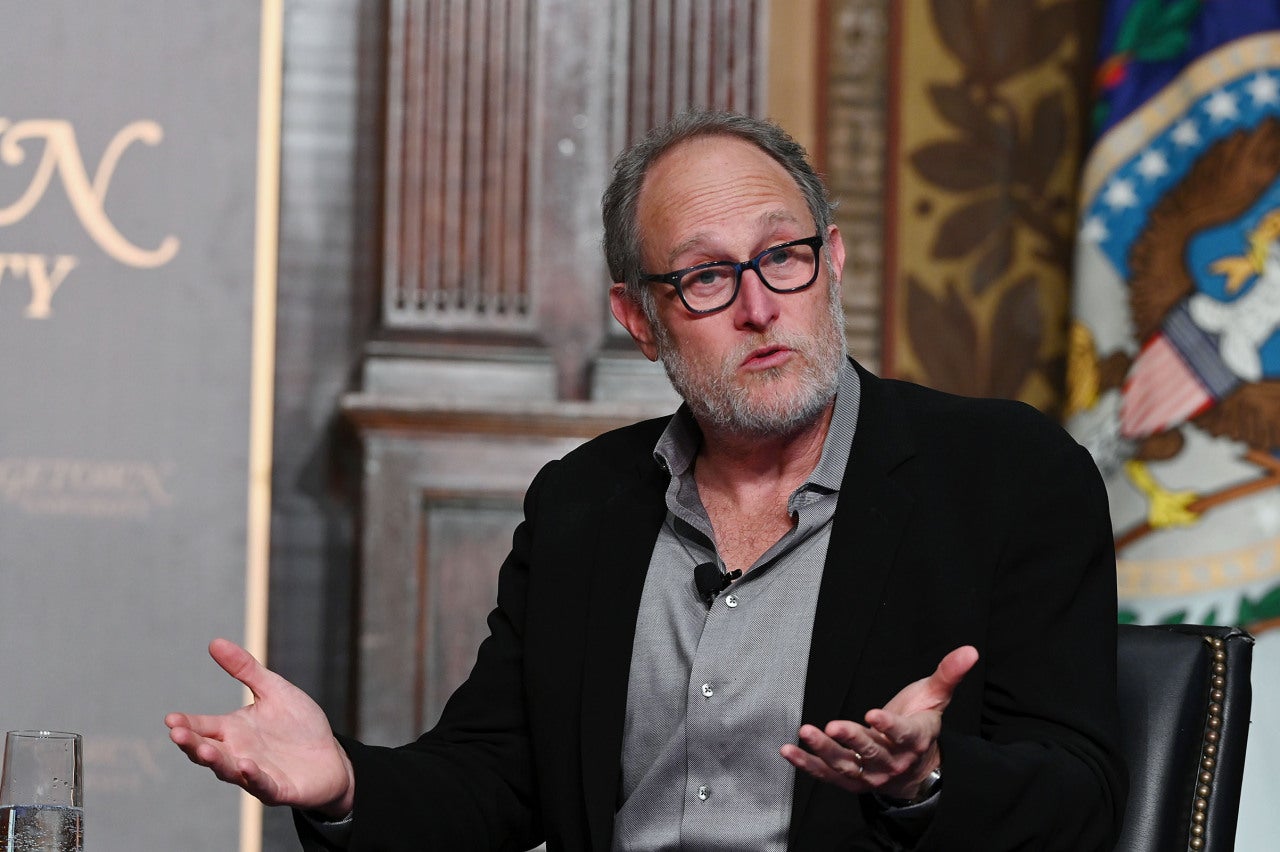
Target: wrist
point(341, 806)
point(926, 789)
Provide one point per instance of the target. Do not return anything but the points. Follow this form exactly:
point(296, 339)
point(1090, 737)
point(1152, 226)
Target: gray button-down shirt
point(713, 694)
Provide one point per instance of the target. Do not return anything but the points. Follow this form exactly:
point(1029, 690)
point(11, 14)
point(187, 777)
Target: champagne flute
point(42, 792)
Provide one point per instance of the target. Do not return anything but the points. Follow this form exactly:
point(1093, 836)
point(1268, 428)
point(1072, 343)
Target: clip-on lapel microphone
point(711, 582)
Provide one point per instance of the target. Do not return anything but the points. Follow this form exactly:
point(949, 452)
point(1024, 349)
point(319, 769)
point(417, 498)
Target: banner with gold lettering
point(1174, 364)
point(132, 241)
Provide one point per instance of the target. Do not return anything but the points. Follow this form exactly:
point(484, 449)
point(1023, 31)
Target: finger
point(203, 752)
point(844, 732)
point(911, 739)
point(257, 782)
point(911, 732)
point(185, 739)
point(222, 764)
point(881, 757)
point(203, 726)
point(801, 759)
point(843, 759)
point(865, 742)
point(243, 772)
point(815, 766)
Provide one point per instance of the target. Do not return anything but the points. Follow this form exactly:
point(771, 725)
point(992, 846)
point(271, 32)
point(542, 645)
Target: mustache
point(798, 343)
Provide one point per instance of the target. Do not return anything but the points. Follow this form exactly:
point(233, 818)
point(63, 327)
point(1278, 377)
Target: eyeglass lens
point(781, 268)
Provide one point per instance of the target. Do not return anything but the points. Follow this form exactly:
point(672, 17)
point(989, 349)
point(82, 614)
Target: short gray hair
point(622, 247)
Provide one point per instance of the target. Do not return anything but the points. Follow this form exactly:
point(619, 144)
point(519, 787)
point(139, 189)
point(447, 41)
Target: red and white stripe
point(1160, 392)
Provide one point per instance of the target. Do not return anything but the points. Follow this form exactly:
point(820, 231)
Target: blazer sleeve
point(1044, 769)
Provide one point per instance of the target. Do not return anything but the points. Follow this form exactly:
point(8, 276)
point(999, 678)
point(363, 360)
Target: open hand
point(280, 748)
point(897, 748)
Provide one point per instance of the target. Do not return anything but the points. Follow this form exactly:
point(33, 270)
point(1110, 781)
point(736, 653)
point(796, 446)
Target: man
point(927, 588)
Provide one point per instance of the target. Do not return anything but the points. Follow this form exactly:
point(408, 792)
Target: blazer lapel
point(624, 546)
point(870, 516)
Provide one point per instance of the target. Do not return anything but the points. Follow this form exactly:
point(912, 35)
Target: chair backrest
point(1184, 715)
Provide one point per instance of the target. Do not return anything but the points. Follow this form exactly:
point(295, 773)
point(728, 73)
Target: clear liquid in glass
point(41, 828)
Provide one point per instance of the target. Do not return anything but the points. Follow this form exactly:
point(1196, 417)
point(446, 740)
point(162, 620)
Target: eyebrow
point(770, 217)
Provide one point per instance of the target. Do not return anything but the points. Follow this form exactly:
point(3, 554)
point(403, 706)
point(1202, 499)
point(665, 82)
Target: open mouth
point(767, 356)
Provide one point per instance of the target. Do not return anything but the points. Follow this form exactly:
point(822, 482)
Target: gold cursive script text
point(61, 154)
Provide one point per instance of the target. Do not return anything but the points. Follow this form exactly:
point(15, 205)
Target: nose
point(757, 306)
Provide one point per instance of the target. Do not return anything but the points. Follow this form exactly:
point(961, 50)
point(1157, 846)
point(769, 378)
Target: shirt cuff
point(924, 807)
point(905, 824)
point(335, 832)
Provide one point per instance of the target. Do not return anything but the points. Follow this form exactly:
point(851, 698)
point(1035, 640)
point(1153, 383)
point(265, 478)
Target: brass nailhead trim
point(1209, 748)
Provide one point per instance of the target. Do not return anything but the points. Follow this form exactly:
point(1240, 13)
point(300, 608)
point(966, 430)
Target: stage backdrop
point(984, 143)
point(129, 240)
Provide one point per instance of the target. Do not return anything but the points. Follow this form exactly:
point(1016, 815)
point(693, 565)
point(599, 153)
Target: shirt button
point(704, 793)
point(707, 690)
point(731, 601)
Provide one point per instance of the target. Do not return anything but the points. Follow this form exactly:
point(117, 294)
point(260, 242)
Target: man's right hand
point(280, 748)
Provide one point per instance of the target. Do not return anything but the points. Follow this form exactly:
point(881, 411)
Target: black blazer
point(959, 522)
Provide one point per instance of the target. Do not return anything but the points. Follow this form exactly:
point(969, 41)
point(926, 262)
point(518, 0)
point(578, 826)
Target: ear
point(836, 244)
point(628, 312)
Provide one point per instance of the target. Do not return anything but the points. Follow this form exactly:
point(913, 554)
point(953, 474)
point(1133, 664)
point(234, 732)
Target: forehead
point(712, 188)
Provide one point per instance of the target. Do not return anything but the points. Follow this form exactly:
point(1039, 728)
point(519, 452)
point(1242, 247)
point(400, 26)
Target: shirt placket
point(711, 688)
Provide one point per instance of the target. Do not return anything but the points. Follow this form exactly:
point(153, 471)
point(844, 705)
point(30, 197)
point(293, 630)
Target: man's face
point(769, 363)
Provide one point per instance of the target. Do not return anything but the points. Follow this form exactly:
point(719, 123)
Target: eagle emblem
point(1204, 298)
point(1174, 354)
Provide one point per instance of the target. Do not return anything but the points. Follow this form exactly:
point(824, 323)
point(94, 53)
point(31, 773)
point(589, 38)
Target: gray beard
point(720, 401)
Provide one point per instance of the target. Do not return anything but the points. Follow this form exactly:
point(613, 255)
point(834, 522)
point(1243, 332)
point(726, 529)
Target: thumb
point(954, 666)
point(241, 665)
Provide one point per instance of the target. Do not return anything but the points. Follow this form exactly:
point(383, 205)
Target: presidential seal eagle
point(1203, 329)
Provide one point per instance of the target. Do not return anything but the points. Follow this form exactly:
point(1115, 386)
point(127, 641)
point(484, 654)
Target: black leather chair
point(1184, 713)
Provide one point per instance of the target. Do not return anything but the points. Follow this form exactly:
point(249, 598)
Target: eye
point(779, 256)
point(708, 279)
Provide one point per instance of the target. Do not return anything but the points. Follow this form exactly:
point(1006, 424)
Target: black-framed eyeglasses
point(710, 287)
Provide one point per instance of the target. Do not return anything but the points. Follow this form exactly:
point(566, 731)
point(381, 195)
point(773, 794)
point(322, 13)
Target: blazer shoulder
point(624, 444)
point(1012, 426)
point(609, 459)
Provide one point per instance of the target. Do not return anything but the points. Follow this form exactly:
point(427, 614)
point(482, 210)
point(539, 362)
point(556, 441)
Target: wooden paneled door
point(495, 353)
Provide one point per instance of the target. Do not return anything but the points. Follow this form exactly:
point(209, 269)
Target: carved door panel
point(494, 351)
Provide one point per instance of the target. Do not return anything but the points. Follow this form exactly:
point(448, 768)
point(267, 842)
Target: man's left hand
point(897, 748)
